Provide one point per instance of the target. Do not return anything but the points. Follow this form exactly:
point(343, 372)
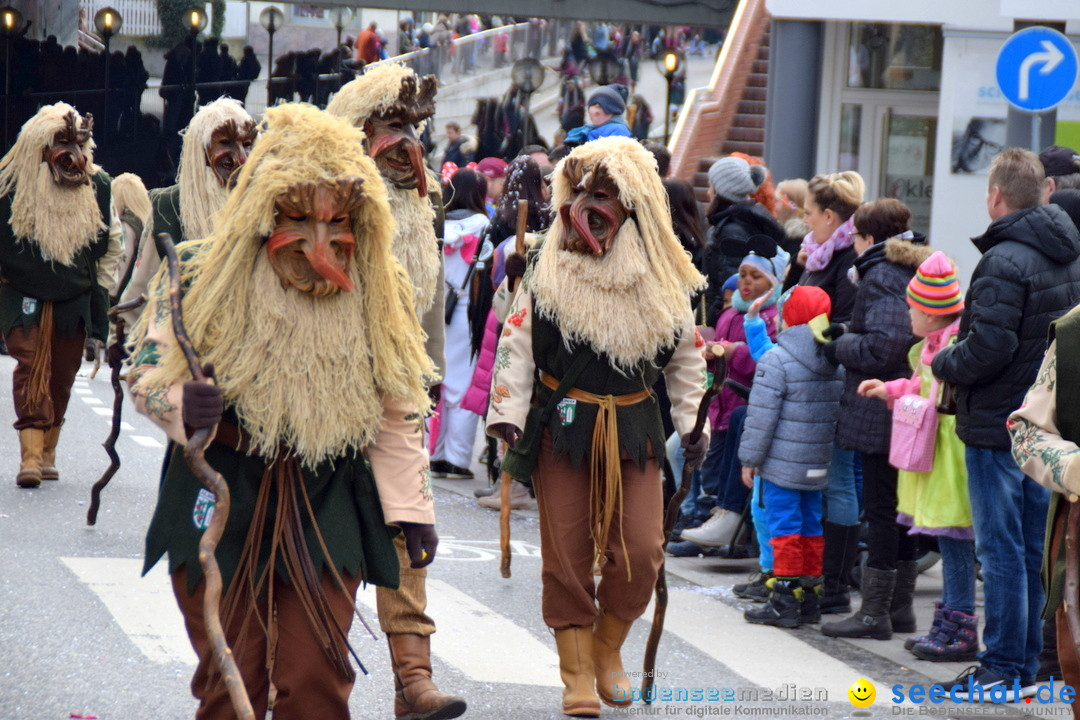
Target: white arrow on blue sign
point(1036, 69)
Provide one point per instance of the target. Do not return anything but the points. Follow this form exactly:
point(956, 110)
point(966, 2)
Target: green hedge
point(173, 27)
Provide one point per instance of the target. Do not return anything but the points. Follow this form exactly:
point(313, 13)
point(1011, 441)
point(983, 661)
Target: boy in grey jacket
point(787, 441)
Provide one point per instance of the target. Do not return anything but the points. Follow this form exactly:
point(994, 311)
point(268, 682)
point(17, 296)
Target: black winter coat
point(877, 342)
point(1029, 276)
point(834, 281)
point(734, 223)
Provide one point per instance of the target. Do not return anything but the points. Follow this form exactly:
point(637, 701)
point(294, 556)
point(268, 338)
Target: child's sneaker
point(755, 589)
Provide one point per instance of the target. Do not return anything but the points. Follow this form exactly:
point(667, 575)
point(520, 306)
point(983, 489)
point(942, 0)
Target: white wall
point(981, 14)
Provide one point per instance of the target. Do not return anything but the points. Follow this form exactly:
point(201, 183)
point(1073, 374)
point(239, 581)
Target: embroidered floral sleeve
point(1037, 445)
point(512, 376)
point(162, 405)
point(400, 466)
point(685, 376)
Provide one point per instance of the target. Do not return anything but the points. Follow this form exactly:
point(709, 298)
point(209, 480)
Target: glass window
point(908, 167)
point(850, 123)
point(884, 56)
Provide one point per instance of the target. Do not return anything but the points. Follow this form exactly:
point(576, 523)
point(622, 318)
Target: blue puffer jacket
point(794, 403)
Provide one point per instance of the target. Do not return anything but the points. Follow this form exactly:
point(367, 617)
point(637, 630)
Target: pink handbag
point(914, 430)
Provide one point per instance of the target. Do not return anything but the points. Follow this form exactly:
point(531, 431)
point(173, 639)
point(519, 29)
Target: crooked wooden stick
point(670, 518)
point(195, 453)
point(118, 404)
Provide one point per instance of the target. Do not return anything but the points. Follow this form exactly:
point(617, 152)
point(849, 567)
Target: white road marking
point(147, 441)
point(91, 401)
point(82, 390)
point(106, 411)
point(519, 657)
point(143, 607)
point(126, 426)
point(719, 630)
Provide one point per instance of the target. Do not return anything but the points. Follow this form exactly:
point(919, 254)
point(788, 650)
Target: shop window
point(884, 56)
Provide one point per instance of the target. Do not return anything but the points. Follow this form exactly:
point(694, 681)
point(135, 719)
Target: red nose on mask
point(576, 215)
point(413, 149)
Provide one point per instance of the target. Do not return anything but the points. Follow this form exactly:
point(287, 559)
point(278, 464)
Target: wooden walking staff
point(670, 518)
point(118, 405)
point(195, 453)
point(505, 480)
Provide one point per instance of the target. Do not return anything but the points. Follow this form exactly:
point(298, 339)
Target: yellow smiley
point(862, 693)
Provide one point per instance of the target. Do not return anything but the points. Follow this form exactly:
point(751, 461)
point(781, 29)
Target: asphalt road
point(83, 634)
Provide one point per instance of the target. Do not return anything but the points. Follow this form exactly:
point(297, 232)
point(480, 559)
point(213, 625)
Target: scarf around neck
point(818, 257)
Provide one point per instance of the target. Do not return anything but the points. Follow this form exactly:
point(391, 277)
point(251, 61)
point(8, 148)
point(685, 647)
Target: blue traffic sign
point(1036, 69)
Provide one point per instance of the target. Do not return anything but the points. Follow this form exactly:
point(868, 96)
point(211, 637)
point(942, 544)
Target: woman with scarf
point(827, 255)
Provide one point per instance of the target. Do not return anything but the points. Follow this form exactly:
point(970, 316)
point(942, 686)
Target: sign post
point(1036, 70)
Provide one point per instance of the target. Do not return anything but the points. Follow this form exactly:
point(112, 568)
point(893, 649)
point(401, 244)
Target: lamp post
point(107, 22)
point(11, 22)
point(340, 17)
point(271, 19)
point(670, 63)
point(195, 19)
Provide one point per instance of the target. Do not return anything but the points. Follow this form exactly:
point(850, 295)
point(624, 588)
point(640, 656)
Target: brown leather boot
point(575, 647)
point(31, 444)
point(48, 454)
point(416, 697)
point(609, 634)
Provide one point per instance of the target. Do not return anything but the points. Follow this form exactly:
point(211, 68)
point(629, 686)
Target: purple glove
point(202, 402)
point(694, 452)
point(421, 540)
point(507, 432)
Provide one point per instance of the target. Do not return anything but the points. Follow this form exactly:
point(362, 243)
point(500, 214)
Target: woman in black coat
point(875, 345)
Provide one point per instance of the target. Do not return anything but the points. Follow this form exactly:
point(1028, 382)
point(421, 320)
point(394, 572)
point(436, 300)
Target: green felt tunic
point(571, 427)
point(343, 496)
point(30, 280)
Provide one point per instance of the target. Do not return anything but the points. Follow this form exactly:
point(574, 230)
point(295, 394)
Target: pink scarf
point(937, 340)
point(818, 257)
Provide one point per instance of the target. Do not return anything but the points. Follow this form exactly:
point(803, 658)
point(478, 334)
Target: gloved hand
point(830, 352)
point(515, 268)
point(507, 432)
point(694, 452)
point(202, 402)
point(834, 331)
point(421, 541)
point(435, 393)
point(115, 354)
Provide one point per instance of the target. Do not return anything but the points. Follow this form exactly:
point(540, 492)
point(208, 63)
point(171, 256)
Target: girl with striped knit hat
point(936, 502)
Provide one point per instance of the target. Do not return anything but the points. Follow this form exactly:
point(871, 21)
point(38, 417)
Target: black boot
point(872, 620)
point(784, 607)
point(811, 604)
point(841, 547)
point(901, 613)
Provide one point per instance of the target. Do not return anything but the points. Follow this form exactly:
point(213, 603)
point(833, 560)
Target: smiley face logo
point(862, 693)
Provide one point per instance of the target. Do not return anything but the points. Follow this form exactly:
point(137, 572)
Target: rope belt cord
point(38, 386)
point(605, 465)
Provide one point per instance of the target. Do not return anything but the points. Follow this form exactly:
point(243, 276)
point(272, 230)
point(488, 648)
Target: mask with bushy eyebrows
point(230, 145)
point(312, 245)
point(593, 215)
point(65, 157)
point(391, 135)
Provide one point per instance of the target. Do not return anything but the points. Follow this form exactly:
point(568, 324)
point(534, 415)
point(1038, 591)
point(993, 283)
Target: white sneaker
point(717, 531)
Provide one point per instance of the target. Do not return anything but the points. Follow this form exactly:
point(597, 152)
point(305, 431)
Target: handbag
point(914, 431)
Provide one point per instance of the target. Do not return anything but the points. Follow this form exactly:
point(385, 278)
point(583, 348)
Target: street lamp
point(670, 64)
point(340, 17)
point(604, 68)
point(195, 19)
point(271, 19)
point(11, 23)
point(107, 22)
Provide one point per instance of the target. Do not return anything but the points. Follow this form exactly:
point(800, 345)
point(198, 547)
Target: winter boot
point(901, 613)
point(812, 588)
point(957, 640)
point(717, 531)
point(755, 588)
point(841, 547)
point(416, 697)
point(520, 498)
point(612, 684)
point(31, 445)
point(48, 454)
point(575, 647)
point(784, 607)
point(939, 615)
point(872, 620)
